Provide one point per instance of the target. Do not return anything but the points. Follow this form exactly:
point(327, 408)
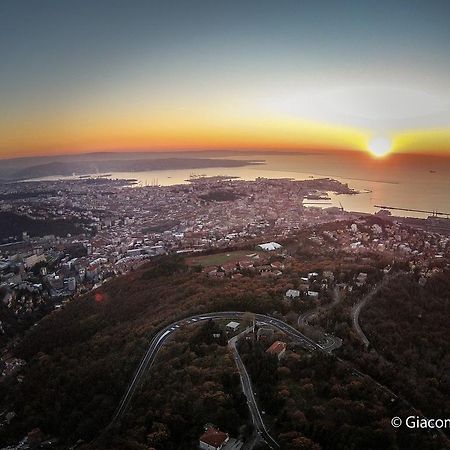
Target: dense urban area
point(218, 314)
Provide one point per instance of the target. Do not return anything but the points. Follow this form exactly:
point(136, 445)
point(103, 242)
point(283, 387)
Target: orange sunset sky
point(142, 75)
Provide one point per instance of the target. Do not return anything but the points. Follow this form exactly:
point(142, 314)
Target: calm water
point(402, 181)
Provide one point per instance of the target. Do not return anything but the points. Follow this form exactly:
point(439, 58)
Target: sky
point(78, 76)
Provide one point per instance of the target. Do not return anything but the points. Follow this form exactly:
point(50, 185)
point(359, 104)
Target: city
point(224, 225)
point(312, 258)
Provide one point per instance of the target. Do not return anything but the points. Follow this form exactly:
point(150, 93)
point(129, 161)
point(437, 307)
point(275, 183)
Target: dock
point(432, 213)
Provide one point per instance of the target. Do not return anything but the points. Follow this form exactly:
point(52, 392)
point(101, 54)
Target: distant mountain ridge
point(79, 167)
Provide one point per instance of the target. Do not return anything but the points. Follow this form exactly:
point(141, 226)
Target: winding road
point(257, 419)
point(357, 307)
point(356, 311)
point(160, 338)
point(330, 342)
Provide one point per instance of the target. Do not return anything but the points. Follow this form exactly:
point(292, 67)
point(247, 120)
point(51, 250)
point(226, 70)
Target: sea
point(419, 184)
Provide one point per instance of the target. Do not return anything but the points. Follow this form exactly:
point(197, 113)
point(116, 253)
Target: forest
point(13, 225)
point(193, 383)
point(81, 357)
point(408, 329)
point(315, 402)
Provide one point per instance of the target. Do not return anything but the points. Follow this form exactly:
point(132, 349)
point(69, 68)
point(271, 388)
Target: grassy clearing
point(219, 259)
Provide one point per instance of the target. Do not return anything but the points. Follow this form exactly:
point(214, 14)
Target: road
point(356, 311)
point(304, 318)
point(330, 342)
point(161, 337)
point(357, 307)
point(247, 388)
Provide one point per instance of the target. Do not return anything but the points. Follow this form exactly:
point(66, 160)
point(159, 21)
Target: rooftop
point(214, 437)
point(276, 348)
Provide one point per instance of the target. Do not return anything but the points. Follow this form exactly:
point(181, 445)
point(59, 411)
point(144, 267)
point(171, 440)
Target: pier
point(432, 213)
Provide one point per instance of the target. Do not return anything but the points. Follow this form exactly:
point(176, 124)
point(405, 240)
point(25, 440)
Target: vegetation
point(220, 196)
point(193, 382)
point(80, 358)
point(408, 328)
point(13, 225)
point(316, 403)
point(218, 259)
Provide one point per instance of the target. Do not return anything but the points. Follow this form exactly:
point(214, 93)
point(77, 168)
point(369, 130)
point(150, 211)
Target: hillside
point(13, 225)
point(65, 168)
point(80, 360)
point(81, 357)
point(408, 328)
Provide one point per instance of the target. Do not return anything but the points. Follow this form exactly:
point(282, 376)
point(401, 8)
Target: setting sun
point(380, 146)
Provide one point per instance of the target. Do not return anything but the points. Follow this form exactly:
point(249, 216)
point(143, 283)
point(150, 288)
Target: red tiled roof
point(214, 437)
point(277, 347)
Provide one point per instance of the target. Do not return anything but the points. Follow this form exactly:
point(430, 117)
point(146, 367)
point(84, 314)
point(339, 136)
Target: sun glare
point(379, 146)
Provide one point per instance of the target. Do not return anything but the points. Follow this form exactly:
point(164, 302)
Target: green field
point(219, 259)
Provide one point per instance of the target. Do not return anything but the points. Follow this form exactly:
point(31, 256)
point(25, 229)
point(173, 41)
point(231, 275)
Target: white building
point(232, 326)
point(270, 246)
point(292, 293)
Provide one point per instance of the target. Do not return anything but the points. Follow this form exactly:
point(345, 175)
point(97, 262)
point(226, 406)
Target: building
point(213, 439)
point(278, 348)
point(232, 326)
point(32, 260)
point(292, 293)
point(71, 284)
point(269, 246)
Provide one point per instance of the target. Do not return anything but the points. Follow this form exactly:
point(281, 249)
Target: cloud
point(376, 108)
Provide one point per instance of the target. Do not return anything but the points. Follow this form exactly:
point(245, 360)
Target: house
point(313, 294)
point(292, 293)
point(213, 439)
point(269, 246)
point(278, 348)
point(232, 326)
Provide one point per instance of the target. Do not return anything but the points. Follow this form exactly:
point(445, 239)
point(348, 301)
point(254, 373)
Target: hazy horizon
point(256, 75)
